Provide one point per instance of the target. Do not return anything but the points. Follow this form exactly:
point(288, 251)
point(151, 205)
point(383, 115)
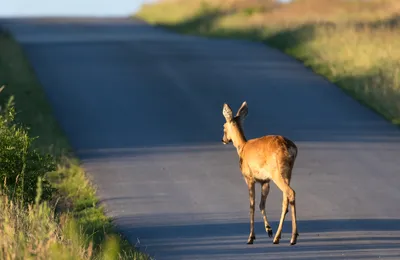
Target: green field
point(354, 44)
point(61, 218)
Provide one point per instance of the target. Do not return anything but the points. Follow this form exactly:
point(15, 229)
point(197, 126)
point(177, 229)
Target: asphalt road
point(142, 107)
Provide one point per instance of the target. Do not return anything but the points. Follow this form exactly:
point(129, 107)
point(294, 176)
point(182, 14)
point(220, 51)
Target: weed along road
point(142, 108)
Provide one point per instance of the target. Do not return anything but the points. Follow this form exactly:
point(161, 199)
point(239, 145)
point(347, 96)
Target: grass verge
point(354, 44)
point(48, 207)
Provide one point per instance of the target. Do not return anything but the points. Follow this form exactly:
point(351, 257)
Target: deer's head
point(233, 124)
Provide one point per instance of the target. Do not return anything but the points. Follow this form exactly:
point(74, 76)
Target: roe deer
point(263, 159)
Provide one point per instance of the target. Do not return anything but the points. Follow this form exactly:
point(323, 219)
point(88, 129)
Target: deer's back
point(261, 156)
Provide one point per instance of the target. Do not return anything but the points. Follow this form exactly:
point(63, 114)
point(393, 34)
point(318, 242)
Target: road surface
point(142, 108)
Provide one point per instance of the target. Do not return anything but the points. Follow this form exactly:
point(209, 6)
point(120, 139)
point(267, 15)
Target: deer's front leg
point(251, 187)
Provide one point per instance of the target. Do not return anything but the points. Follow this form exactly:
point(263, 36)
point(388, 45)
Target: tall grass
point(364, 62)
point(33, 233)
point(352, 43)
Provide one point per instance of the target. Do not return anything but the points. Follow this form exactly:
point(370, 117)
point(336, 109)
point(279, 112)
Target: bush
point(21, 165)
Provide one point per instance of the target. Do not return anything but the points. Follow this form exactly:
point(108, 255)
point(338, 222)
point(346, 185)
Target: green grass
point(354, 44)
point(68, 225)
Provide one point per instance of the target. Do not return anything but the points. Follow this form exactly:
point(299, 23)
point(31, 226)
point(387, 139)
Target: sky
point(15, 8)
point(69, 7)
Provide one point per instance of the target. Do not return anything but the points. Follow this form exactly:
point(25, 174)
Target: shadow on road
point(199, 239)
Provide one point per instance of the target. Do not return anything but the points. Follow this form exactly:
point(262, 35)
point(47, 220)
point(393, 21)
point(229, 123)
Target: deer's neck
point(238, 138)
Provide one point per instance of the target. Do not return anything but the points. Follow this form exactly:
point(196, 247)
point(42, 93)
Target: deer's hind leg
point(295, 233)
point(288, 198)
point(285, 203)
point(264, 194)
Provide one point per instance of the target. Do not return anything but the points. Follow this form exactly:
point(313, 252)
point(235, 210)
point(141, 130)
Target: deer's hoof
point(293, 241)
point(276, 240)
point(269, 231)
point(251, 240)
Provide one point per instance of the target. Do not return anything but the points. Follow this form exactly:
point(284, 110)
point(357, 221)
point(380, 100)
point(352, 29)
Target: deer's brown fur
point(261, 160)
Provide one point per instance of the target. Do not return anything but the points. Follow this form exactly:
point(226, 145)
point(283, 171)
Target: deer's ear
point(243, 111)
point(227, 112)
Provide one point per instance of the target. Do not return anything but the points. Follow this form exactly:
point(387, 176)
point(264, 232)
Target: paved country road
point(142, 107)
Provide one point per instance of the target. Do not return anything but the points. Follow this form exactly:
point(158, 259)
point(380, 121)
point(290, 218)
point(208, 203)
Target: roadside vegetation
point(354, 44)
point(48, 208)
